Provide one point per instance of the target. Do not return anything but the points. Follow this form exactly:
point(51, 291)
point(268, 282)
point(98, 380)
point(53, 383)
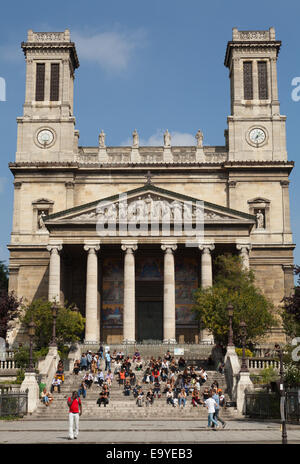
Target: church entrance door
point(149, 320)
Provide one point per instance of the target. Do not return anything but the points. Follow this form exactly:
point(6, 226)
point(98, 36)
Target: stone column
point(169, 294)
point(244, 254)
point(206, 265)
point(92, 316)
point(206, 279)
point(129, 293)
point(54, 273)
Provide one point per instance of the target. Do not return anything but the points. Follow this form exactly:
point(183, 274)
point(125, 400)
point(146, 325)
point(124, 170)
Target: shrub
point(248, 353)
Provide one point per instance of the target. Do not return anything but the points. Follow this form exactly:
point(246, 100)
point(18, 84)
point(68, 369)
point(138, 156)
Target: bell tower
point(46, 131)
point(256, 130)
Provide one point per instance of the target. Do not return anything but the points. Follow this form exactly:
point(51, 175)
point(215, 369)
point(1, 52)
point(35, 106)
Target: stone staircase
point(123, 407)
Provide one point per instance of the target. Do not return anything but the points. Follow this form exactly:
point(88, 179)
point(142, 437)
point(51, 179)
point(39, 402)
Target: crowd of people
point(58, 379)
point(166, 377)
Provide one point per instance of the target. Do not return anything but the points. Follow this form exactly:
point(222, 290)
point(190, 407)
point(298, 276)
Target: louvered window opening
point(54, 82)
point(40, 82)
point(248, 81)
point(262, 80)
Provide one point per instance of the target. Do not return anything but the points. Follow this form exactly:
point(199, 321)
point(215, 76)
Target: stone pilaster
point(169, 294)
point(69, 194)
point(54, 273)
point(286, 206)
point(17, 210)
point(289, 285)
point(129, 293)
point(92, 313)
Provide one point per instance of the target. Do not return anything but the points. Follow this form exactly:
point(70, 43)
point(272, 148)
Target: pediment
point(148, 203)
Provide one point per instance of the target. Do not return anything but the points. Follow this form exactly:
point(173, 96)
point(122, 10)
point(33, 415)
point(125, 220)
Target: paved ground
point(143, 432)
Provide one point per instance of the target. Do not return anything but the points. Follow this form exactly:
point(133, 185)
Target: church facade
point(129, 233)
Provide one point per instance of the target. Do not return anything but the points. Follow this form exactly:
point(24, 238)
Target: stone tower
point(256, 130)
point(46, 131)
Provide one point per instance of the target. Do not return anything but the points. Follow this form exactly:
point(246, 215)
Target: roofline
point(155, 189)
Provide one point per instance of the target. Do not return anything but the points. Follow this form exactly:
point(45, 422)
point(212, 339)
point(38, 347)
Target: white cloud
point(113, 51)
point(157, 139)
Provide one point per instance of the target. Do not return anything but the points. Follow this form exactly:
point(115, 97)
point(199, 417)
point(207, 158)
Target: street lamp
point(282, 399)
point(31, 333)
point(243, 334)
point(230, 315)
point(54, 309)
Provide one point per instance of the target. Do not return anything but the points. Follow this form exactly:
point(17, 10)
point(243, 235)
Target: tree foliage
point(291, 311)
point(3, 277)
point(69, 323)
point(233, 284)
point(9, 309)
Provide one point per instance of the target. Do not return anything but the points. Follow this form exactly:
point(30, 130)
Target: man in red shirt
point(75, 410)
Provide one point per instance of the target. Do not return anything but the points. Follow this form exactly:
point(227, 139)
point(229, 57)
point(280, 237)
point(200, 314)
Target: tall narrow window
point(40, 82)
point(54, 82)
point(262, 80)
point(248, 82)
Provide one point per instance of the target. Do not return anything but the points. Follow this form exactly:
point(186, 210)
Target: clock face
point(45, 137)
point(257, 136)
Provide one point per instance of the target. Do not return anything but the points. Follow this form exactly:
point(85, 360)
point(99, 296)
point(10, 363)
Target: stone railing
point(8, 388)
point(262, 363)
point(253, 35)
point(47, 367)
point(150, 155)
point(8, 364)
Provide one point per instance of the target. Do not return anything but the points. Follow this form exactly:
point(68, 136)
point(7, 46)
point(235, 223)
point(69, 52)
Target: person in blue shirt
point(107, 361)
point(83, 362)
point(216, 416)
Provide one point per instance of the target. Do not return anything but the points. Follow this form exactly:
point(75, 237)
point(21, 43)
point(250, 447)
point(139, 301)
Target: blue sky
point(149, 65)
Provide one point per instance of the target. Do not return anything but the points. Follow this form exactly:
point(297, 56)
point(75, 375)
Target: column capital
point(91, 247)
point(288, 268)
point(169, 247)
point(17, 184)
point(232, 183)
point(70, 184)
point(244, 247)
point(129, 247)
point(206, 247)
point(54, 247)
point(284, 183)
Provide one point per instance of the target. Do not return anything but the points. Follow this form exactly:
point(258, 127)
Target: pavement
point(144, 432)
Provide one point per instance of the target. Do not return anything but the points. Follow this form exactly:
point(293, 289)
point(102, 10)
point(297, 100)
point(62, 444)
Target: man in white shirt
point(211, 405)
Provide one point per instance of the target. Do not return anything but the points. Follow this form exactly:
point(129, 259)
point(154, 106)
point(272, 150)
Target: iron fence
point(14, 404)
point(262, 405)
point(293, 406)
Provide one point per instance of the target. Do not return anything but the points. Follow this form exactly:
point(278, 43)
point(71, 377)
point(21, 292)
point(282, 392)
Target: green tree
point(3, 276)
point(291, 309)
point(69, 323)
point(9, 310)
point(233, 284)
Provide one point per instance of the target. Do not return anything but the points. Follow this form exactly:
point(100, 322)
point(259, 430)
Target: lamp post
point(31, 333)
point(282, 399)
point(230, 315)
point(243, 334)
point(54, 309)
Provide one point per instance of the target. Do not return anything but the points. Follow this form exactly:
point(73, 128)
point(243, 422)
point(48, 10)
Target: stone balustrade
point(262, 363)
point(8, 364)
